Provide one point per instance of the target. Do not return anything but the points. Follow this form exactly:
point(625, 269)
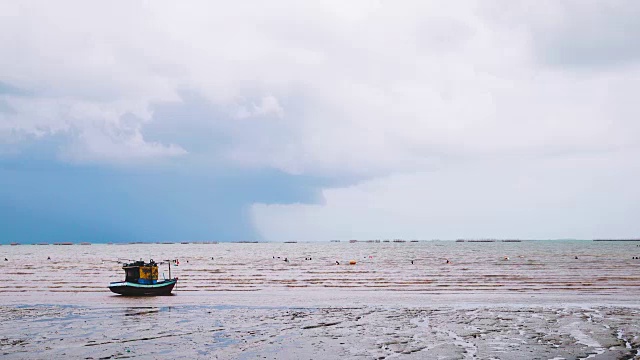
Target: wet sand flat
point(367, 332)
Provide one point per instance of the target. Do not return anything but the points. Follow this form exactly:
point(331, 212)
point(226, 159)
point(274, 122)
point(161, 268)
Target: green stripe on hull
point(145, 286)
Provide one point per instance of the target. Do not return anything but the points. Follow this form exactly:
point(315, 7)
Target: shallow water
point(533, 267)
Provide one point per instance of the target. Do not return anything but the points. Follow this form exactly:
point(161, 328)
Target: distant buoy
point(506, 258)
point(352, 262)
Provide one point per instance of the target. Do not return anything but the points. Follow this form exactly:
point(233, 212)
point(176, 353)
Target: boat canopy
point(141, 272)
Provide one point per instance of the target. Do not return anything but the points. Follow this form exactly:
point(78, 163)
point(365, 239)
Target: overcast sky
point(316, 120)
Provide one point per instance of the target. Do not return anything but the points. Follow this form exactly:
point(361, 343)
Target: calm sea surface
point(605, 268)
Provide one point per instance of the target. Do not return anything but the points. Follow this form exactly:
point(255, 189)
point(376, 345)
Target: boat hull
point(126, 288)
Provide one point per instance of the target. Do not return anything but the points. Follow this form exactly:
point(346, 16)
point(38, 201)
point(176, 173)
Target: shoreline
point(353, 241)
point(313, 298)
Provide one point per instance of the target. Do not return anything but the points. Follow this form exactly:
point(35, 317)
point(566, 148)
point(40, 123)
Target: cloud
point(370, 88)
point(595, 35)
point(8, 89)
point(360, 90)
point(541, 199)
point(98, 132)
point(121, 142)
point(268, 106)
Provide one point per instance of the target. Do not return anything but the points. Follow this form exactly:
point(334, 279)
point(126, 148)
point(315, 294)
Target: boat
point(141, 279)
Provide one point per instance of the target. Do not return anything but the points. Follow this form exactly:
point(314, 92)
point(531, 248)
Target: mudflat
point(533, 300)
point(366, 332)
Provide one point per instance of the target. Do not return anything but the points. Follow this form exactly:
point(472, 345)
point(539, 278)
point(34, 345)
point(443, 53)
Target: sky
point(318, 120)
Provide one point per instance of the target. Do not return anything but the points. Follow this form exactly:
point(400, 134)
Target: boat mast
point(169, 262)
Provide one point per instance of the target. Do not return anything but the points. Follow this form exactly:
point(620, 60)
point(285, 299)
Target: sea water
point(528, 267)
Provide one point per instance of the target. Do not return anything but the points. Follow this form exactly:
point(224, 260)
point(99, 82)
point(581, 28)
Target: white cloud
point(578, 197)
point(269, 105)
point(385, 86)
point(360, 88)
point(102, 132)
point(118, 143)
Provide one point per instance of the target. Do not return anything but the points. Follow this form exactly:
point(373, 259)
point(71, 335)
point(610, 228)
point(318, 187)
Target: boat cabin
point(141, 273)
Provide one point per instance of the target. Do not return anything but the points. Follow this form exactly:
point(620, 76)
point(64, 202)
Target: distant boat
point(141, 279)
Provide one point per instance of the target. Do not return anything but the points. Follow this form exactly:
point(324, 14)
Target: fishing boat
point(141, 279)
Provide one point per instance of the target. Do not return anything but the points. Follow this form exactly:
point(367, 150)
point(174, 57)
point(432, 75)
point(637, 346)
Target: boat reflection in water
point(141, 279)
